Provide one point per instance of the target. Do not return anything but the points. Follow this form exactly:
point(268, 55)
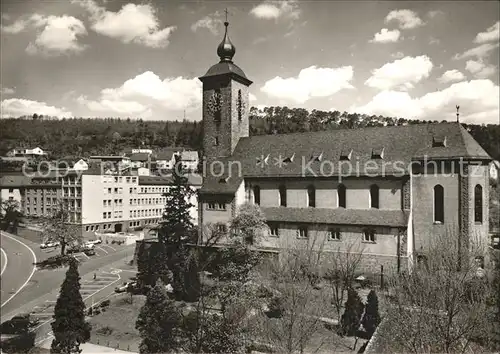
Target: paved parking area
point(100, 251)
point(90, 290)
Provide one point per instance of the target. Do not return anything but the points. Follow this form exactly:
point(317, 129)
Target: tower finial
point(226, 49)
point(458, 114)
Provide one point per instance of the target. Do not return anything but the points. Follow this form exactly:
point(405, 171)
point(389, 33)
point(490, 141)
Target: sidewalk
point(89, 348)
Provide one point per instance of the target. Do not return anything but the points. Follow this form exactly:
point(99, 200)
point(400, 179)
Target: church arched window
point(311, 196)
point(438, 204)
point(478, 203)
point(282, 193)
point(341, 195)
point(374, 196)
point(256, 195)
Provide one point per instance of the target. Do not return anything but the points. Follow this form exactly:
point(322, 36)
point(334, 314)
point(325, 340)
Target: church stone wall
point(423, 206)
point(479, 231)
point(352, 238)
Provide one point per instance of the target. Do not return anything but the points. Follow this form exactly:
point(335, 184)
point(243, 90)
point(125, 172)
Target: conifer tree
point(371, 317)
point(69, 327)
point(352, 314)
point(158, 321)
point(177, 226)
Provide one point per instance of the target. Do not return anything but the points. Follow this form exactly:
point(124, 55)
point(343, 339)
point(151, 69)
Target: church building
point(389, 189)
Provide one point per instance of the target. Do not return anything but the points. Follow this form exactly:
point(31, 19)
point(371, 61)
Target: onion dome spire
point(226, 49)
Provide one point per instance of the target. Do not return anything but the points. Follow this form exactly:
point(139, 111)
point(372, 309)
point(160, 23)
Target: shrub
point(276, 307)
point(352, 314)
point(105, 331)
point(105, 303)
point(371, 317)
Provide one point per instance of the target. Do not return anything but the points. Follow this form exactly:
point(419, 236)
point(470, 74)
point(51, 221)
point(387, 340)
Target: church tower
point(225, 103)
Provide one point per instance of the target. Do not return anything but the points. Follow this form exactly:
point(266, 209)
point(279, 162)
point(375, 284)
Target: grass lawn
point(116, 324)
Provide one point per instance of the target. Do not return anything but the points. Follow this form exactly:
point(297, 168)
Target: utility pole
point(458, 114)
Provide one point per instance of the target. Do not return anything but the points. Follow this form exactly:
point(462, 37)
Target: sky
point(95, 58)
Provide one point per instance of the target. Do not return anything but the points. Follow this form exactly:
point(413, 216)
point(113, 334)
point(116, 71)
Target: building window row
point(145, 213)
point(216, 206)
point(333, 234)
point(96, 227)
point(147, 201)
point(40, 191)
point(119, 179)
point(311, 196)
point(155, 189)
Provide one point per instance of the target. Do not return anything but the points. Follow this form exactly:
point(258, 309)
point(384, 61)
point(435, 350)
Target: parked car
point(123, 288)
point(95, 242)
point(88, 246)
point(89, 251)
point(49, 244)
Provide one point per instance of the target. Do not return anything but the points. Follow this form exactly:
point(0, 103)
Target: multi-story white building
point(97, 202)
point(123, 203)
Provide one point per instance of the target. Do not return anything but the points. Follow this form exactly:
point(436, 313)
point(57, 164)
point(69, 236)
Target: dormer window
point(263, 160)
point(224, 180)
point(439, 141)
point(378, 153)
point(289, 159)
point(346, 154)
point(317, 157)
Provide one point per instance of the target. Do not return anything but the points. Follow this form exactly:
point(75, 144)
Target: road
point(3, 262)
point(93, 291)
point(43, 282)
point(17, 268)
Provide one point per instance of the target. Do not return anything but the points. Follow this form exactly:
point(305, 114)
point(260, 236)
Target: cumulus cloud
point(252, 97)
point(479, 102)
point(16, 107)
point(131, 24)
point(451, 75)
point(398, 55)
point(481, 51)
point(59, 36)
point(492, 34)
point(141, 94)
point(401, 73)
point(386, 36)
point(56, 34)
point(7, 91)
point(270, 10)
point(480, 69)
point(406, 19)
point(311, 82)
point(211, 22)
point(120, 107)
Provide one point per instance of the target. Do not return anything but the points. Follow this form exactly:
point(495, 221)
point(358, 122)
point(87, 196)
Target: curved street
point(17, 267)
point(43, 282)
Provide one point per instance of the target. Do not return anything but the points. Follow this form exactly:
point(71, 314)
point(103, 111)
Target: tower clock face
point(214, 103)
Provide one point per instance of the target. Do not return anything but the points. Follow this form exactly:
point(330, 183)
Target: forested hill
point(77, 137)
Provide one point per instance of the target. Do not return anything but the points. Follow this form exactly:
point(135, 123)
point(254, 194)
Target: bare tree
point(228, 253)
point(342, 272)
point(57, 228)
point(294, 277)
point(443, 303)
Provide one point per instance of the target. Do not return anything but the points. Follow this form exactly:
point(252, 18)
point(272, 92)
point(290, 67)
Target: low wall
point(128, 239)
